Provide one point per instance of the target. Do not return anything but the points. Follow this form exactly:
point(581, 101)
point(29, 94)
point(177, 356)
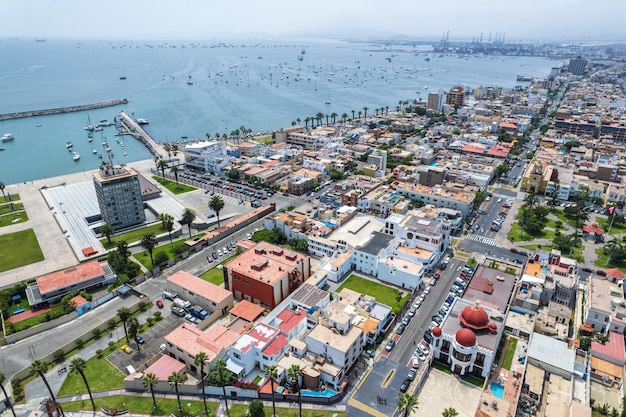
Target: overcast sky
point(204, 19)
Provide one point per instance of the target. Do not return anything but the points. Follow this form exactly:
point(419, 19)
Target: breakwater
point(60, 110)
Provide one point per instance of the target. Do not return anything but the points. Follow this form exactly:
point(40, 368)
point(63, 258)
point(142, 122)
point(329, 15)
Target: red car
point(506, 205)
point(504, 213)
point(159, 303)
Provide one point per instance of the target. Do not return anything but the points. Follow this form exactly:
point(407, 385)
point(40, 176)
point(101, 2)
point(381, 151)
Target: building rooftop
point(376, 243)
point(492, 286)
point(551, 351)
point(308, 295)
point(199, 286)
point(613, 348)
point(484, 338)
point(68, 277)
point(560, 395)
point(192, 340)
point(341, 342)
point(288, 319)
point(601, 294)
point(275, 345)
point(358, 229)
point(247, 310)
point(259, 336)
point(164, 367)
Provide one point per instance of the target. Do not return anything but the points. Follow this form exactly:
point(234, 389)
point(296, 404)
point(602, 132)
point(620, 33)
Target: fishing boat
point(7, 137)
point(69, 145)
point(142, 121)
point(75, 156)
point(123, 77)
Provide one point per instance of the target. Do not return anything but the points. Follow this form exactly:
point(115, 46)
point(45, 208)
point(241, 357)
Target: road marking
point(388, 378)
point(365, 408)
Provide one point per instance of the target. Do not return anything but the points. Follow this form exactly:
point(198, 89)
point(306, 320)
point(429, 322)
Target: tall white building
point(206, 156)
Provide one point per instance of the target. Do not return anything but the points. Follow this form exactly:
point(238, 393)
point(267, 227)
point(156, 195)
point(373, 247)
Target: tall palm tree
point(149, 381)
point(326, 116)
point(162, 166)
point(272, 374)
point(449, 412)
point(610, 247)
point(360, 113)
point(220, 368)
point(365, 109)
point(199, 360)
point(407, 403)
point(352, 113)
point(298, 120)
point(133, 331)
point(40, 368)
point(207, 136)
point(532, 201)
point(149, 242)
point(344, 116)
point(79, 365)
point(295, 373)
point(4, 391)
point(2, 186)
point(122, 249)
point(217, 204)
point(168, 224)
point(175, 379)
point(306, 122)
point(174, 170)
point(156, 161)
point(188, 217)
point(124, 314)
point(106, 230)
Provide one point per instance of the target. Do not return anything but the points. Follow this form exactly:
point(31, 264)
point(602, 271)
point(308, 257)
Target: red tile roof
point(67, 277)
point(290, 320)
point(78, 301)
point(276, 345)
point(614, 348)
point(164, 367)
point(247, 310)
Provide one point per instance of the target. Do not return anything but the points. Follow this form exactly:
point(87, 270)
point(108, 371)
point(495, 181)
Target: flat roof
point(492, 286)
point(605, 367)
point(560, 394)
point(376, 243)
point(247, 310)
point(164, 367)
point(600, 291)
point(358, 229)
point(341, 342)
point(534, 379)
point(288, 319)
point(68, 277)
point(275, 345)
point(199, 286)
point(192, 340)
point(259, 336)
point(308, 295)
point(551, 351)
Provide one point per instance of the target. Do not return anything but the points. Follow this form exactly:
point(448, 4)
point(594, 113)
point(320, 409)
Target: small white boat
point(69, 145)
point(94, 151)
point(75, 156)
point(7, 137)
point(125, 153)
point(142, 121)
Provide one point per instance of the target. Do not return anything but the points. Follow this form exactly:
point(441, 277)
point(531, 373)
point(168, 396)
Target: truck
point(178, 311)
point(179, 302)
point(170, 295)
point(198, 312)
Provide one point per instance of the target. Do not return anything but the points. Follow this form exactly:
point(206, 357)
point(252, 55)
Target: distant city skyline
point(541, 20)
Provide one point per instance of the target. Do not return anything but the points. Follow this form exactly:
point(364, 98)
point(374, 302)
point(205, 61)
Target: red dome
point(465, 337)
point(474, 317)
point(437, 331)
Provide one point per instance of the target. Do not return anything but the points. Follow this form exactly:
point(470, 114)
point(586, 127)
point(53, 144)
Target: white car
point(249, 236)
point(423, 349)
point(426, 290)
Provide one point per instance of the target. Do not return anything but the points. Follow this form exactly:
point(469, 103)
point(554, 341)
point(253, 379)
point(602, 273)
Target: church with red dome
point(468, 338)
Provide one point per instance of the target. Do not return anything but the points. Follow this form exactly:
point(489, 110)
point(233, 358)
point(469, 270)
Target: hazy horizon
point(532, 20)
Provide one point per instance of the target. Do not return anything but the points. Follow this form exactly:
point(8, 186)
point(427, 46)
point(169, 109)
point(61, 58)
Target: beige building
point(197, 291)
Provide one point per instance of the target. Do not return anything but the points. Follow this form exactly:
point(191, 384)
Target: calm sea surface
point(188, 89)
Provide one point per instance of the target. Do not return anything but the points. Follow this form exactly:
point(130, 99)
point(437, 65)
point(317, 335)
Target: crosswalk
point(503, 196)
point(483, 239)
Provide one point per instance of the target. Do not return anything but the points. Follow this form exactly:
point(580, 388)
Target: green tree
point(365, 109)
point(133, 331)
point(610, 247)
point(174, 380)
point(124, 314)
point(295, 373)
point(256, 408)
point(188, 217)
point(220, 369)
point(4, 391)
point(502, 169)
point(271, 373)
point(531, 201)
point(450, 412)
point(162, 165)
point(407, 403)
point(174, 170)
point(122, 249)
point(149, 242)
point(79, 365)
point(167, 221)
point(106, 230)
point(200, 360)
point(2, 187)
point(149, 381)
point(217, 204)
point(40, 368)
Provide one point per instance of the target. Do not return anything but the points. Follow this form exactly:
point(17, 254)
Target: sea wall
point(60, 110)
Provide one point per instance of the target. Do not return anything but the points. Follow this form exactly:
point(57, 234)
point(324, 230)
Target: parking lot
point(154, 337)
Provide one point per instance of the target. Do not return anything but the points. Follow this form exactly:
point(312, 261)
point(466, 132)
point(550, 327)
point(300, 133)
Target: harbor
point(61, 110)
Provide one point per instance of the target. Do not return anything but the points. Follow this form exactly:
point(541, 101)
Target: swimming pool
point(434, 163)
point(326, 393)
point(497, 389)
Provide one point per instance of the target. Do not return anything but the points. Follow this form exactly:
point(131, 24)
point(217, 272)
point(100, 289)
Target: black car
point(400, 329)
point(140, 340)
point(405, 386)
point(214, 255)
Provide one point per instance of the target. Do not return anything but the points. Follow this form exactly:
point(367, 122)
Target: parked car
point(406, 320)
point(411, 375)
point(405, 386)
point(601, 272)
point(400, 329)
point(415, 363)
point(423, 349)
point(126, 349)
point(432, 282)
point(412, 311)
point(140, 340)
point(159, 303)
point(420, 355)
point(426, 290)
point(390, 344)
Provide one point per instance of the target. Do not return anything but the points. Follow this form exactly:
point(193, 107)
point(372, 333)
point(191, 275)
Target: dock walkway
point(60, 110)
point(131, 127)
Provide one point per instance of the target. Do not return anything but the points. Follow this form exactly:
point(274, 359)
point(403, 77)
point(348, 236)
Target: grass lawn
point(239, 410)
point(382, 293)
point(6, 208)
point(615, 228)
point(142, 405)
point(14, 218)
point(443, 368)
point(479, 382)
point(562, 217)
point(214, 276)
point(101, 375)
point(601, 261)
point(173, 187)
point(514, 234)
point(267, 140)
point(510, 352)
point(5, 199)
point(144, 257)
point(134, 235)
point(19, 249)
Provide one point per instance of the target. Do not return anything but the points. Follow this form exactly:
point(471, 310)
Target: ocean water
point(188, 89)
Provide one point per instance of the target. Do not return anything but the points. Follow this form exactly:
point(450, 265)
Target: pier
point(60, 110)
point(131, 127)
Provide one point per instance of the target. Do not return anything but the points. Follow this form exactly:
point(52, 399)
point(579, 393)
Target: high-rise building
point(577, 66)
point(456, 97)
point(119, 196)
point(435, 101)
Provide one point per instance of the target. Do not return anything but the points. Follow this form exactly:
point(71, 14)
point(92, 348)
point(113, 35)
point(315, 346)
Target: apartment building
point(439, 196)
point(605, 307)
point(197, 291)
point(206, 156)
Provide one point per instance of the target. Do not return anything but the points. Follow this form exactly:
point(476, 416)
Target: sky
point(522, 20)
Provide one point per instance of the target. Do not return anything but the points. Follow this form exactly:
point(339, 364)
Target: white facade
point(207, 156)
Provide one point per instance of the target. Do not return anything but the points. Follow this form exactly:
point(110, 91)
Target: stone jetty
point(60, 110)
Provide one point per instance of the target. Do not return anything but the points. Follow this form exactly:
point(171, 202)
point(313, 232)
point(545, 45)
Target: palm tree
point(149, 242)
point(360, 113)
point(365, 109)
point(386, 109)
point(298, 120)
point(407, 403)
point(122, 249)
point(79, 365)
point(199, 360)
point(162, 165)
point(344, 116)
point(611, 246)
point(319, 116)
point(168, 224)
point(106, 230)
point(4, 391)
point(188, 217)
point(306, 122)
point(175, 379)
point(272, 374)
point(133, 331)
point(207, 136)
point(220, 368)
point(156, 161)
point(295, 373)
point(326, 116)
point(532, 201)
point(217, 204)
point(2, 186)
point(40, 368)
point(174, 170)
point(149, 381)
point(124, 314)
point(352, 114)
point(450, 412)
